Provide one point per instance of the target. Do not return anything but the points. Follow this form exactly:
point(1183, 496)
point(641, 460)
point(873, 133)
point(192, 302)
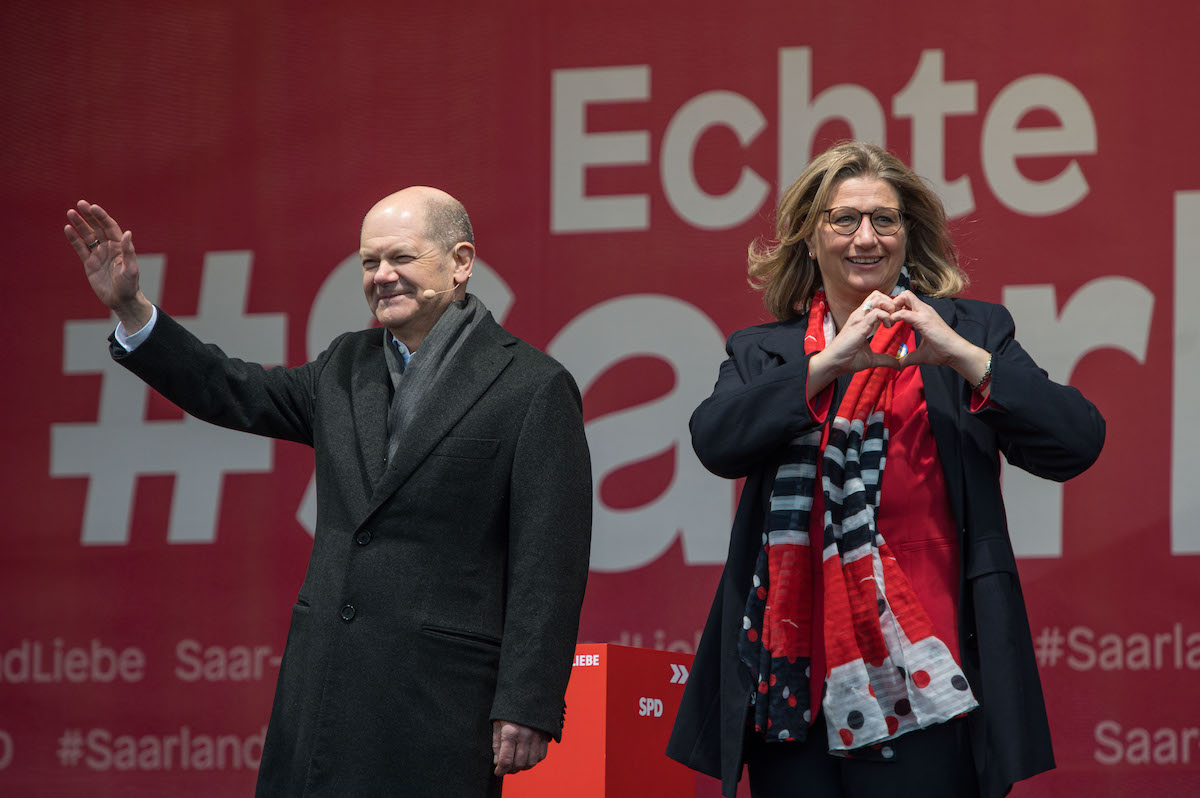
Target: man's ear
point(464, 260)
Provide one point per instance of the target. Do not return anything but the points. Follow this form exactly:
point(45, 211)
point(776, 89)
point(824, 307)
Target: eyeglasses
point(845, 221)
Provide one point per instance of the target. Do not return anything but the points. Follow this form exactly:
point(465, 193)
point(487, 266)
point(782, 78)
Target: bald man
point(432, 638)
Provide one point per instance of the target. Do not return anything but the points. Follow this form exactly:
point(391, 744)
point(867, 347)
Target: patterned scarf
point(887, 673)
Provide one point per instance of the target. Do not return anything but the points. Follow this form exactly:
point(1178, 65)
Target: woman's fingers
point(885, 360)
point(907, 299)
point(914, 358)
point(877, 300)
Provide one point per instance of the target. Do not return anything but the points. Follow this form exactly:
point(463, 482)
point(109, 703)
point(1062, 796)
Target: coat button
point(348, 613)
point(363, 537)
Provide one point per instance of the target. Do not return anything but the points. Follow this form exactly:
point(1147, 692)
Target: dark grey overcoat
point(444, 589)
point(1047, 429)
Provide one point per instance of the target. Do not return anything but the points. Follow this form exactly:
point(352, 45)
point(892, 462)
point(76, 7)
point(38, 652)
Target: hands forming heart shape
point(850, 350)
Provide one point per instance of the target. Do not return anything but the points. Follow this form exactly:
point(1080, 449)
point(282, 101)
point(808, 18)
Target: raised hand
point(109, 262)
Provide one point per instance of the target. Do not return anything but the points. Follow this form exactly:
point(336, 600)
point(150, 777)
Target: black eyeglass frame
point(895, 211)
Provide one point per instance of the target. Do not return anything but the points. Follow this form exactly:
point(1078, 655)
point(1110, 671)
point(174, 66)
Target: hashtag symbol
point(70, 748)
point(1048, 647)
point(121, 444)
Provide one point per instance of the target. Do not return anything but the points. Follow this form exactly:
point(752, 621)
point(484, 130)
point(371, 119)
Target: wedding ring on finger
point(94, 244)
point(868, 305)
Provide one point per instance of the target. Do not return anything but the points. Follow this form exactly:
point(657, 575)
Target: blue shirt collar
point(405, 355)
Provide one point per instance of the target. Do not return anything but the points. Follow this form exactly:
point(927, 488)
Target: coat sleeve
point(204, 382)
point(549, 545)
point(1047, 429)
point(755, 408)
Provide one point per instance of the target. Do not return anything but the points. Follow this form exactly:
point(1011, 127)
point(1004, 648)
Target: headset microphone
point(429, 293)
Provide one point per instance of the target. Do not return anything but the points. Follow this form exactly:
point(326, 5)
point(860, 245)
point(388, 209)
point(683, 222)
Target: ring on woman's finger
point(868, 305)
point(94, 244)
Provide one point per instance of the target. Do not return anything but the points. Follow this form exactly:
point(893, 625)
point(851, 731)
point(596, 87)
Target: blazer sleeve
point(549, 547)
point(1047, 429)
point(757, 406)
point(204, 382)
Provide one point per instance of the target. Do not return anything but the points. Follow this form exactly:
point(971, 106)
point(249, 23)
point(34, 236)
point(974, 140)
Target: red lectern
point(621, 702)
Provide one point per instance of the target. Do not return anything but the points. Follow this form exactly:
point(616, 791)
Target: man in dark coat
point(432, 639)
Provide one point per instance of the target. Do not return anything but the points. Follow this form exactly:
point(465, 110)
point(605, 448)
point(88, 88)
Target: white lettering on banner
point(650, 707)
point(155, 752)
point(1185, 377)
point(220, 664)
point(801, 116)
point(574, 149)
point(1137, 746)
point(926, 100)
point(696, 505)
point(692, 203)
point(1106, 313)
point(31, 663)
point(587, 660)
point(1004, 142)
point(1134, 652)
point(198, 454)
point(6, 749)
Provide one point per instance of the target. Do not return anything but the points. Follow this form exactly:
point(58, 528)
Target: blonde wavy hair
point(784, 270)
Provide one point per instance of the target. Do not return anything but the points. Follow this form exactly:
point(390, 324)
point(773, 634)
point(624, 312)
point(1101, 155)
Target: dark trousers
point(929, 763)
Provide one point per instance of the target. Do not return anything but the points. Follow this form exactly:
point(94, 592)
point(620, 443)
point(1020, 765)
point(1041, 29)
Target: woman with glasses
point(868, 636)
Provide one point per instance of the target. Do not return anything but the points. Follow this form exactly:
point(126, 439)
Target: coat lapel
point(786, 341)
point(370, 395)
point(944, 403)
point(474, 368)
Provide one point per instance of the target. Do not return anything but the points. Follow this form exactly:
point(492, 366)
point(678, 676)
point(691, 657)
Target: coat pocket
point(470, 448)
point(461, 635)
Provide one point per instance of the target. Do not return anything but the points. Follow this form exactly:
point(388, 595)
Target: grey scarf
point(427, 365)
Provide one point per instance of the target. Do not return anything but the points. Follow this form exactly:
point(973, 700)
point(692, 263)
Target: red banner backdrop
point(616, 160)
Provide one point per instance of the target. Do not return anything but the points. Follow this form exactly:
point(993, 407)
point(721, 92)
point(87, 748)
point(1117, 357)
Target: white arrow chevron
point(679, 674)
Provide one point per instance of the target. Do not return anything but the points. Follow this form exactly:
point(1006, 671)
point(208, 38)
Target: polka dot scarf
point(886, 671)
